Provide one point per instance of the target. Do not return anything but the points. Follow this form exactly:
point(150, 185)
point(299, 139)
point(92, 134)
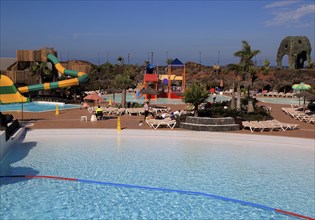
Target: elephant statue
point(298, 49)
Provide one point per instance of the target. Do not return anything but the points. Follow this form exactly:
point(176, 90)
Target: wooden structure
point(34, 55)
point(20, 72)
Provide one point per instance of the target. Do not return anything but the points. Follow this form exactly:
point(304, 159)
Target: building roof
point(6, 62)
point(150, 78)
point(177, 62)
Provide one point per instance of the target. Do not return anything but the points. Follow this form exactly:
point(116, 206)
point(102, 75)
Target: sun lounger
point(260, 126)
point(270, 126)
point(310, 119)
point(156, 123)
point(284, 126)
point(252, 127)
point(134, 111)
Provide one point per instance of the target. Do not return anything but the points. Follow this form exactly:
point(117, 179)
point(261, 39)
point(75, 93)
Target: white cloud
point(281, 4)
point(293, 17)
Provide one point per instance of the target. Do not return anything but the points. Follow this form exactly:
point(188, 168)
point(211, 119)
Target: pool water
point(286, 101)
point(131, 98)
point(37, 106)
point(219, 98)
point(276, 172)
point(272, 171)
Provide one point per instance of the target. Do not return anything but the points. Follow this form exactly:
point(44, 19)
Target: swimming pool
point(37, 106)
point(275, 172)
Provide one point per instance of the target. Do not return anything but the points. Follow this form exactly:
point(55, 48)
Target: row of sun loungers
point(277, 94)
point(269, 125)
point(130, 111)
point(300, 115)
point(267, 94)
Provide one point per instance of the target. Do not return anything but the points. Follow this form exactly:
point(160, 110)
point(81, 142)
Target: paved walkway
point(71, 119)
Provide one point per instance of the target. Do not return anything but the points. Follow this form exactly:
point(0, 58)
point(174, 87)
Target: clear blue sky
point(205, 31)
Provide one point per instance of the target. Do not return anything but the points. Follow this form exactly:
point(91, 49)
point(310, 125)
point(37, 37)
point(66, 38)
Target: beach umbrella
point(93, 97)
point(301, 86)
point(305, 95)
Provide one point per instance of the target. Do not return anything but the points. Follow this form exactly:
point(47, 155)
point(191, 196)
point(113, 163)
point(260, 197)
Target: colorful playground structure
point(9, 93)
point(170, 85)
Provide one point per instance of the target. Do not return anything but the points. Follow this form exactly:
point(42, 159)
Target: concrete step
point(210, 121)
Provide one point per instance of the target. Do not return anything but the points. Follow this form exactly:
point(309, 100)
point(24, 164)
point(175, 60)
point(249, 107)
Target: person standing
point(146, 108)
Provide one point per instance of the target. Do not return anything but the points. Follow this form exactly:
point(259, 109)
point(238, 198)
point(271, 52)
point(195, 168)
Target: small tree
point(266, 66)
point(195, 95)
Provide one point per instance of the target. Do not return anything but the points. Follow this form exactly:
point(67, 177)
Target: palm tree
point(237, 68)
point(246, 63)
point(123, 82)
point(120, 60)
point(195, 95)
point(169, 61)
point(41, 71)
point(246, 55)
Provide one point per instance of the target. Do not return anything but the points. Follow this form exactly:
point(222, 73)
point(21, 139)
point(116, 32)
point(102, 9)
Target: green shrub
point(217, 110)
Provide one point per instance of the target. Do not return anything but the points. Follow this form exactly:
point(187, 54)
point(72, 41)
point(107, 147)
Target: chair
point(83, 118)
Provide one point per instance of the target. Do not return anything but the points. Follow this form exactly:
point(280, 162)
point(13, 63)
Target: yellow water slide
point(10, 94)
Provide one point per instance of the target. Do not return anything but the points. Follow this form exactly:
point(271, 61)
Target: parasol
point(305, 95)
point(92, 97)
point(301, 86)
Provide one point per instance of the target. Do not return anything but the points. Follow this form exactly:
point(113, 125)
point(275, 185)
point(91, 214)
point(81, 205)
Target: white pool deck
point(213, 136)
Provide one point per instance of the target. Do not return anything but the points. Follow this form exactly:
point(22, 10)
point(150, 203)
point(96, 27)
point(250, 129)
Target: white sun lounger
point(252, 127)
point(156, 123)
point(284, 126)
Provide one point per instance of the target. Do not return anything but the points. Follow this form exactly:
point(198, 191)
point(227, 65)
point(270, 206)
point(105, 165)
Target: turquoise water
point(286, 101)
point(36, 107)
point(219, 98)
point(276, 171)
point(131, 98)
point(46, 106)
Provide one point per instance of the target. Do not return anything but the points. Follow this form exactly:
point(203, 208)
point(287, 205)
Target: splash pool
point(37, 106)
point(273, 172)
